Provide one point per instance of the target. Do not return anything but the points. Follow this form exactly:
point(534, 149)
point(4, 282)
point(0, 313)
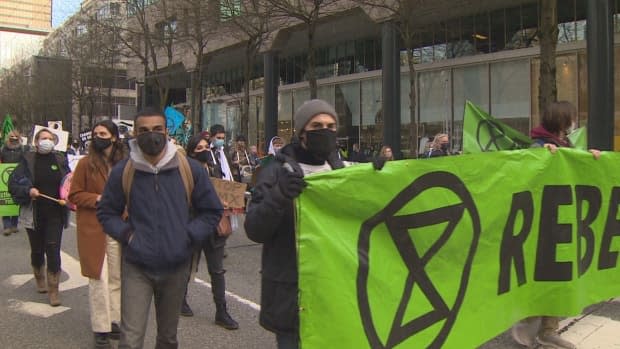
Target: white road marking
point(17, 280)
point(231, 295)
point(43, 310)
point(71, 266)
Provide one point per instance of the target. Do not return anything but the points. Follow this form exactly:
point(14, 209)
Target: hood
point(272, 151)
point(540, 132)
point(141, 164)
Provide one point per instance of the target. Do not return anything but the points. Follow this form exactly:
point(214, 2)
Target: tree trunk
point(310, 72)
point(413, 126)
point(548, 41)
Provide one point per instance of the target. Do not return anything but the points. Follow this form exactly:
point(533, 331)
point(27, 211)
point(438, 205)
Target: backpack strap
point(127, 179)
point(184, 169)
point(186, 176)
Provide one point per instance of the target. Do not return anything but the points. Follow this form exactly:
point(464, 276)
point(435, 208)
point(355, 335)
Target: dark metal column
point(390, 51)
point(600, 74)
point(271, 73)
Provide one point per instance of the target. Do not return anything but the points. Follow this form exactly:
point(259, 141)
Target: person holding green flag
point(12, 152)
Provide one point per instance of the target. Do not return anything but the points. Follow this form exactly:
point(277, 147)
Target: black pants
point(45, 241)
point(214, 253)
point(213, 249)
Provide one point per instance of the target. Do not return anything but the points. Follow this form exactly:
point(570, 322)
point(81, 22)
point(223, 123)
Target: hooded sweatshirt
point(160, 231)
point(542, 136)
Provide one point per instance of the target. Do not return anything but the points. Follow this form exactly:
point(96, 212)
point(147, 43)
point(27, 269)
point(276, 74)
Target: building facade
point(23, 26)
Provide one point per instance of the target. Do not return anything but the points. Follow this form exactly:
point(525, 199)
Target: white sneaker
point(524, 333)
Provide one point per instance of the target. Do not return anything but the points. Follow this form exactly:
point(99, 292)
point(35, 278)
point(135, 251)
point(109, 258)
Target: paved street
point(26, 321)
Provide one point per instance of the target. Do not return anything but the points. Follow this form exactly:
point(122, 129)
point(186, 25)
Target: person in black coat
point(270, 218)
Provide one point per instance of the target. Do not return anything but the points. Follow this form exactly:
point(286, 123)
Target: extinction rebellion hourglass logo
point(402, 221)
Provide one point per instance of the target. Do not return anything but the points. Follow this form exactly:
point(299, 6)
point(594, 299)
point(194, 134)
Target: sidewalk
point(597, 328)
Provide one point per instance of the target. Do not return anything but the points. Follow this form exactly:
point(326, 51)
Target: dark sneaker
point(102, 341)
point(186, 310)
point(223, 319)
point(553, 340)
point(6, 232)
point(116, 332)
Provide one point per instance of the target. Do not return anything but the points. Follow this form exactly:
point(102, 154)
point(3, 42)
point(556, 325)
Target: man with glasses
point(151, 219)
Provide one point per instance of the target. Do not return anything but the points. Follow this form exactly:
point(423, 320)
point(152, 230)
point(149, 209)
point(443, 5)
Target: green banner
point(482, 132)
point(450, 253)
point(7, 206)
point(579, 138)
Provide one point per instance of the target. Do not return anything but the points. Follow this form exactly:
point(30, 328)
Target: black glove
point(290, 184)
point(378, 163)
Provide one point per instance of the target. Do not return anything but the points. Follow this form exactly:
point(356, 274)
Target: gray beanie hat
point(310, 109)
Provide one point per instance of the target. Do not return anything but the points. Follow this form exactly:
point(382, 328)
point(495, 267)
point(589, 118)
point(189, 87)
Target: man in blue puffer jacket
point(161, 229)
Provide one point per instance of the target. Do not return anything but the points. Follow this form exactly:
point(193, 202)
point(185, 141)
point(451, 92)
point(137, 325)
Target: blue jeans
point(9, 222)
point(287, 341)
point(138, 287)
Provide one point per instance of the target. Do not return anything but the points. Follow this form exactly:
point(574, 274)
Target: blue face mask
point(218, 143)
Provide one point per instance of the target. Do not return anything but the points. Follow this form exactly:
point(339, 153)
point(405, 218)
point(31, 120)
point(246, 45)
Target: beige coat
point(87, 184)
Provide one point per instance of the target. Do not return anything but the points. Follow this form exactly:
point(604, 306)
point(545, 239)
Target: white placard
point(62, 137)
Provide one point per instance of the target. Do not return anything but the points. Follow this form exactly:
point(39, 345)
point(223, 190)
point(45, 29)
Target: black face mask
point(151, 143)
point(202, 156)
point(99, 144)
point(321, 142)
point(444, 147)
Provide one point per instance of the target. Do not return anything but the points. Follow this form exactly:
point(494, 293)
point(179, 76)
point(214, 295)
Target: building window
point(115, 9)
point(229, 9)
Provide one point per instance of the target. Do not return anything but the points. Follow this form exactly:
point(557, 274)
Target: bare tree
point(309, 12)
point(148, 37)
point(401, 12)
point(198, 26)
point(16, 95)
point(252, 21)
point(548, 35)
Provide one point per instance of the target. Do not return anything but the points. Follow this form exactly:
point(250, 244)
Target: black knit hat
point(310, 109)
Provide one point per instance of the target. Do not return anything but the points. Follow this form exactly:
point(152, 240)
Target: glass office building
point(490, 58)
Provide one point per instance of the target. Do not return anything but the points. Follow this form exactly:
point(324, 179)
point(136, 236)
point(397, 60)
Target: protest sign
point(7, 207)
point(231, 194)
point(421, 253)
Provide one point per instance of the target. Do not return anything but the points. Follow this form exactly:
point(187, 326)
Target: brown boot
point(52, 285)
point(39, 276)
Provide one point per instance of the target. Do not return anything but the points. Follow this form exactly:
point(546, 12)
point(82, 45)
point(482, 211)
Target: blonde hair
point(384, 149)
point(437, 140)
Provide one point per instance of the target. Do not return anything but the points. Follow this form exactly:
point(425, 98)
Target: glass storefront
point(506, 87)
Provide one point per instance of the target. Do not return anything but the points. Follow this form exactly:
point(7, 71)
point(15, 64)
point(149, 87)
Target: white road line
point(37, 309)
point(71, 266)
point(17, 280)
point(232, 295)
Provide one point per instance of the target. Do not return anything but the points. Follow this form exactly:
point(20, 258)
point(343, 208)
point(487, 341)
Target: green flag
point(7, 126)
point(579, 138)
point(451, 253)
point(482, 132)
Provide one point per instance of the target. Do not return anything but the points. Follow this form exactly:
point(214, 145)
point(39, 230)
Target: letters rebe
point(588, 200)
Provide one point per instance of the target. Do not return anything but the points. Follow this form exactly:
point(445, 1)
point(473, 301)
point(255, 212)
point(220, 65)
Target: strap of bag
point(184, 169)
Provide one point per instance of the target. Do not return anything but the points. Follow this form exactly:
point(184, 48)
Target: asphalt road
point(27, 321)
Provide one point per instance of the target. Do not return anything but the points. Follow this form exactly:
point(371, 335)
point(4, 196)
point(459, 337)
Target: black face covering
point(202, 156)
point(444, 147)
point(101, 143)
point(321, 143)
point(151, 143)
